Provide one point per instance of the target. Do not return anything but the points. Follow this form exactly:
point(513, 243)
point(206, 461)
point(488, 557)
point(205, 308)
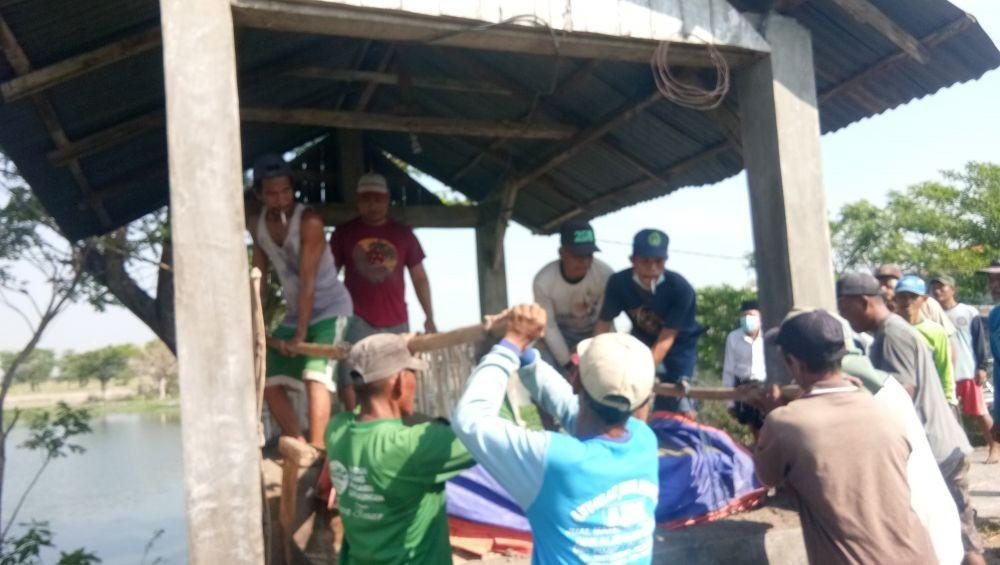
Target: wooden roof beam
point(413, 216)
point(39, 80)
point(927, 42)
point(393, 79)
point(866, 13)
point(407, 124)
point(106, 138)
point(22, 66)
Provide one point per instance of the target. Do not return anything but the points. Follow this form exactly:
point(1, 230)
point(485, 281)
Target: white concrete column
point(492, 281)
point(781, 151)
point(218, 414)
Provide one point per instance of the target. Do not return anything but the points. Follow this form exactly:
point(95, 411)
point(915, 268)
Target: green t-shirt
point(390, 480)
point(937, 338)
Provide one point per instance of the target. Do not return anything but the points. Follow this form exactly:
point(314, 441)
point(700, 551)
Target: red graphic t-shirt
point(373, 258)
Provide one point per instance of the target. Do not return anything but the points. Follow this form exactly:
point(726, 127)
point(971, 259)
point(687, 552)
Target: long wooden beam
point(107, 138)
point(928, 42)
point(44, 78)
point(413, 216)
point(22, 66)
point(865, 12)
point(408, 124)
point(393, 79)
point(341, 19)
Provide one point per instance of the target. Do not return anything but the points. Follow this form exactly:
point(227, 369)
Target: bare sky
point(865, 160)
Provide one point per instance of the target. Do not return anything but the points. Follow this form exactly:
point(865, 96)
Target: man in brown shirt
point(842, 457)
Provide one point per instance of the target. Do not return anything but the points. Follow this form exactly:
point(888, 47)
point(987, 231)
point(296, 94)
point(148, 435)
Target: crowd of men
point(873, 448)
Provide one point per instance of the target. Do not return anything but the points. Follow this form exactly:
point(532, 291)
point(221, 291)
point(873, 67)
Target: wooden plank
point(369, 91)
point(392, 79)
point(105, 139)
point(864, 12)
point(407, 124)
point(42, 79)
point(929, 41)
point(103, 193)
point(413, 216)
point(214, 338)
point(330, 17)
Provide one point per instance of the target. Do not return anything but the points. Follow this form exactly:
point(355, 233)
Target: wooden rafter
point(573, 146)
point(408, 124)
point(369, 91)
point(39, 80)
point(106, 138)
point(866, 13)
point(393, 79)
point(670, 171)
point(22, 66)
point(928, 42)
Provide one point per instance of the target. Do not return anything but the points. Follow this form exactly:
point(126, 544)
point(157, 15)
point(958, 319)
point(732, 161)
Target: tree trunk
point(108, 268)
point(162, 386)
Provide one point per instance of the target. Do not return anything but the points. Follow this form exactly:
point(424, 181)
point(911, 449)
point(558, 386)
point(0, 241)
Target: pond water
point(112, 499)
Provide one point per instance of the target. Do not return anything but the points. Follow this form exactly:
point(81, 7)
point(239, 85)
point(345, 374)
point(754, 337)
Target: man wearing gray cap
point(601, 484)
point(901, 351)
point(389, 477)
point(853, 509)
point(289, 236)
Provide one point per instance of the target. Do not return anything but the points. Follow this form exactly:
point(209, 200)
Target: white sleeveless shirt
point(331, 299)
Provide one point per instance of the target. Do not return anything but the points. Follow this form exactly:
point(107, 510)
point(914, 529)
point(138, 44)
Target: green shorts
point(292, 371)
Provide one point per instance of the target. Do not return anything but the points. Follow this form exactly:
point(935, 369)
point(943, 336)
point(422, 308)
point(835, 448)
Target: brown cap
point(380, 356)
point(889, 270)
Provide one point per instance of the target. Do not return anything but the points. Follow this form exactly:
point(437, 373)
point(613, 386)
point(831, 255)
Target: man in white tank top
point(289, 236)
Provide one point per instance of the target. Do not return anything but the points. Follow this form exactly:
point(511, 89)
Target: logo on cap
point(583, 236)
point(654, 239)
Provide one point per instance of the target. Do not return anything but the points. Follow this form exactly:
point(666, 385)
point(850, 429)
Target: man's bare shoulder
point(312, 219)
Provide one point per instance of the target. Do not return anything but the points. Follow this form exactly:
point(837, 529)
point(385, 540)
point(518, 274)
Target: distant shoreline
point(98, 408)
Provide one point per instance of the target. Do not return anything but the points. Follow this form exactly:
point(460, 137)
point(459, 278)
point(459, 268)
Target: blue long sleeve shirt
point(994, 329)
point(587, 500)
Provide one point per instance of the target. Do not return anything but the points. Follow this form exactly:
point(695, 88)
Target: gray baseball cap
point(616, 370)
point(858, 284)
point(380, 356)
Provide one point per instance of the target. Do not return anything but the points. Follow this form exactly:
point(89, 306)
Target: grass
point(133, 405)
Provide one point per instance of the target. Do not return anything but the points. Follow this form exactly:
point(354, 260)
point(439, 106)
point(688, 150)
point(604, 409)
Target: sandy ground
point(71, 397)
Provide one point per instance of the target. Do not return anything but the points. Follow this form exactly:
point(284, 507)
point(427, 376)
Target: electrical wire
point(687, 94)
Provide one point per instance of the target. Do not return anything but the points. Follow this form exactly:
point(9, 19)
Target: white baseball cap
point(372, 182)
point(616, 370)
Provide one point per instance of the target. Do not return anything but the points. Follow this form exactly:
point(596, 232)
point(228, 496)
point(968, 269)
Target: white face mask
point(652, 288)
point(750, 324)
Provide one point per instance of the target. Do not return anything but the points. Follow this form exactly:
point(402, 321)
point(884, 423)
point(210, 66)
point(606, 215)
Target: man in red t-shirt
point(373, 250)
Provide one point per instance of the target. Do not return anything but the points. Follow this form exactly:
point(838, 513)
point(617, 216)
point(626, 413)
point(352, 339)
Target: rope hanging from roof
point(686, 94)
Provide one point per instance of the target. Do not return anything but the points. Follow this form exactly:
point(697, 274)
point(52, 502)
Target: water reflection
point(112, 498)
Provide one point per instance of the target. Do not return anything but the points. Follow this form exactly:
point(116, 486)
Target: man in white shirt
point(571, 290)
point(744, 363)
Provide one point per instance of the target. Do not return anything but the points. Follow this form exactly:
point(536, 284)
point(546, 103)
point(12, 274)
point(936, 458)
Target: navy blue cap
point(578, 237)
point(650, 243)
point(813, 336)
point(269, 166)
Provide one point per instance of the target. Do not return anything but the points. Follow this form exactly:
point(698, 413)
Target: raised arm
point(550, 390)
point(554, 339)
point(514, 456)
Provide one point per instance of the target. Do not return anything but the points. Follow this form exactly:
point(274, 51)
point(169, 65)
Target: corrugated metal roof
point(596, 179)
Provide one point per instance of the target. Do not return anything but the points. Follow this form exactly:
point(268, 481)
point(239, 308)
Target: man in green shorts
point(389, 477)
point(289, 236)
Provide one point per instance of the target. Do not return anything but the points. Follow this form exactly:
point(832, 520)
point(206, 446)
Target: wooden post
point(218, 404)
point(351, 159)
point(780, 135)
point(492, 272)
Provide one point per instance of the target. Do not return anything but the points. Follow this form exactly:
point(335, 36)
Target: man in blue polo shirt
point(661, 305)
point(590, 497)
point(993, 282)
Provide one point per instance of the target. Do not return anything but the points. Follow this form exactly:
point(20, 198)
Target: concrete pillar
point(212, 299)
point(781, 151)
point(492, 281)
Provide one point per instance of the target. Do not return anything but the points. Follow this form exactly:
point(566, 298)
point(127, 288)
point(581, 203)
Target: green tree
point(155, 362)
point(104, 364)
point(718, 313)
point(34, 370)
point(952, 226)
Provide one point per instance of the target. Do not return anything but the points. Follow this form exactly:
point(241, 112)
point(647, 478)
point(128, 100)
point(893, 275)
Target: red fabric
point(471, 536)
point(970, 397)
point(373, 258)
